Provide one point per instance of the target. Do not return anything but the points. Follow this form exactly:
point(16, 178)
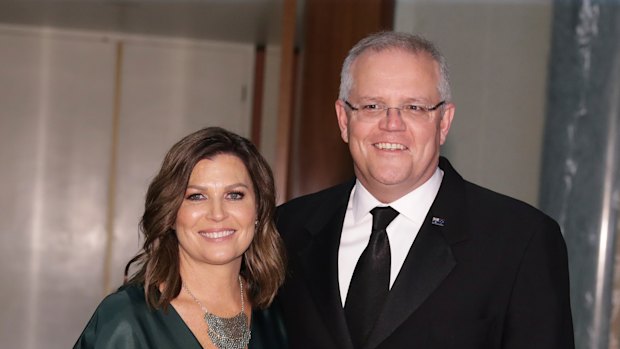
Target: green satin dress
point(123, 320)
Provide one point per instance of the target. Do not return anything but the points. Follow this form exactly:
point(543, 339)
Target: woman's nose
point(216, 210)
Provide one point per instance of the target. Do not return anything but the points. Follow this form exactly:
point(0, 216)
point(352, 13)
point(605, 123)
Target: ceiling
point(244, 21)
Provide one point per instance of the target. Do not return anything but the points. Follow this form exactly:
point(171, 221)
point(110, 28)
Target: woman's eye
point(236, 195)
point(195, 197)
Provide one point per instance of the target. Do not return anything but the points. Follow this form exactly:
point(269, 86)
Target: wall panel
point(56, 95)
point(57, 128)
point(170, 89)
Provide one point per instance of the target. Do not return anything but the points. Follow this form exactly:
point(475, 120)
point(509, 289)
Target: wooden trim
point(285, 105)
point(259, 89)
point(295, 133)
point(331, 28)
point(388, 8)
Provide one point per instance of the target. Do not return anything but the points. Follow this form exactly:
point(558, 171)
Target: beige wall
point(497, 52)
point(76, 167)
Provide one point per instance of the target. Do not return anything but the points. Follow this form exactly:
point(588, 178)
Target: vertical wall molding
point(111, 195)
point(257, 100)
point(614, 333)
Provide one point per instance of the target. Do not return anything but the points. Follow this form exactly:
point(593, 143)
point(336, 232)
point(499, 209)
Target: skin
point(215, 223)
point(394, 77)
point(214, 226)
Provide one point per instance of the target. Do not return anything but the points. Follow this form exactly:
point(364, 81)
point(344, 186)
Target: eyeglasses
point(376, 111)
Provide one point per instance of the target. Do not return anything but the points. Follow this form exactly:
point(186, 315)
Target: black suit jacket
point(485, 271)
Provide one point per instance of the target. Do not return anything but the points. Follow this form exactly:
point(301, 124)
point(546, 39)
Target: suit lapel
point(430, 258)
point(320, 263)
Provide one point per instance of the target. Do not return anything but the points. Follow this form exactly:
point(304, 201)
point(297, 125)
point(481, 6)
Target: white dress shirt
point(412, 209)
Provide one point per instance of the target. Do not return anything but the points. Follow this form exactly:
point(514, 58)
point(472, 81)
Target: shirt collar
point(414, 205)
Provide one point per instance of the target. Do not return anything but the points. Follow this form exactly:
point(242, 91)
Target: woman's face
point(215, 223)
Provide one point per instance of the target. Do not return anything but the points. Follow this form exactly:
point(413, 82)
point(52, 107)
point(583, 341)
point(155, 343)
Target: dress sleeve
point(112, 326)
point(124, 320)
point(89, 335)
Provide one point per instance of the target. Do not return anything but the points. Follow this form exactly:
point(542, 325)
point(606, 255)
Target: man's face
point(394, 154)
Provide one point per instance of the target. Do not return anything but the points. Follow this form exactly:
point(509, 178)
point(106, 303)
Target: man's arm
point(539, 314)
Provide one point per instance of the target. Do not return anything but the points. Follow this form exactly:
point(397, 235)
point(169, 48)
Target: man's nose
point(393, 119)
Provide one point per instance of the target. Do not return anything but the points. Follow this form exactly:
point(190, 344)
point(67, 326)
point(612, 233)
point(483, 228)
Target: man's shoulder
point(498, 216)
point(489, 200)
point(310, 202)
point(315, 207)
point(483, 199)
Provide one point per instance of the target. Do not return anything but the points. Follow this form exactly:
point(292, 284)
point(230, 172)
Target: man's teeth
point(390, 146)
point(217, 234)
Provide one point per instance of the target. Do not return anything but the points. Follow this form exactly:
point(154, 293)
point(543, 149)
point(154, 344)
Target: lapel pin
point(438, 221)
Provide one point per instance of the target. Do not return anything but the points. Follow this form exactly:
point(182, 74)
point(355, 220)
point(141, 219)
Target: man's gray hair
point(394, 40)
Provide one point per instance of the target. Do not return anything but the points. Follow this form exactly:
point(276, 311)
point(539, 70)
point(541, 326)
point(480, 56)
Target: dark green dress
point(123, 320)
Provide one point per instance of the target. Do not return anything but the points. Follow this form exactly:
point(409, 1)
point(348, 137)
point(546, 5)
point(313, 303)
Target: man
point(458, 267)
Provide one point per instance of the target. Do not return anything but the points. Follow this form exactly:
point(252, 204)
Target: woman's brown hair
point(263, 262)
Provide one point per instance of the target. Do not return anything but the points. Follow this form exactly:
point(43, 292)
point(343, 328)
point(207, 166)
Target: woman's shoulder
point(114, 319)
point(125, 301)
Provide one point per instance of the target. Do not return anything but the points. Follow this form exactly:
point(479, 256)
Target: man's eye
point(195, 197)
point(370, 107)
point(412, 107)
point(236, 195)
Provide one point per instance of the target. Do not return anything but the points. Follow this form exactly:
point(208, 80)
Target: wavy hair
point(263, 262)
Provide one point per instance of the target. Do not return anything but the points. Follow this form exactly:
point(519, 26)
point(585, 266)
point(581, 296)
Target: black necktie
point(371, 279)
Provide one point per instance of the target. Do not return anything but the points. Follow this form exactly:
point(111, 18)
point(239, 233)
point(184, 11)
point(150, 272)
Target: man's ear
point(445, 122)
point(343, 120)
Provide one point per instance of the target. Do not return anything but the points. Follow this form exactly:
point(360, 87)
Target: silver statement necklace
point(226, 333)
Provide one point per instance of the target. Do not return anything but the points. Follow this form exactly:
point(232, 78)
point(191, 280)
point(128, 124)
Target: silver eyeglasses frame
point(405, 109)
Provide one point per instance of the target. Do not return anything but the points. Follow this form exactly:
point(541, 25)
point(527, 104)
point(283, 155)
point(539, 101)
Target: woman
point(211, 253)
